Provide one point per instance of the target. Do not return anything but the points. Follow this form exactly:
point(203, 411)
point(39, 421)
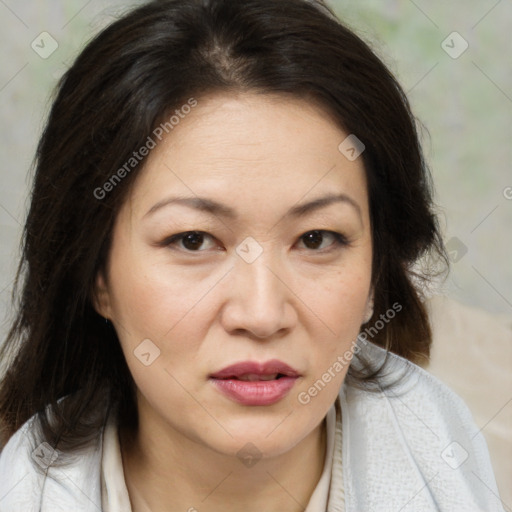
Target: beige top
point(114, 494)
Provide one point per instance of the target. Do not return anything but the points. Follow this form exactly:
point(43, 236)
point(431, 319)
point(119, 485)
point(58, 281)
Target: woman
point(218, 309)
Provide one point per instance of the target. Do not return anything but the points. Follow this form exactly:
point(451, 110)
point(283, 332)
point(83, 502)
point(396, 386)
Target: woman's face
point(267, 278)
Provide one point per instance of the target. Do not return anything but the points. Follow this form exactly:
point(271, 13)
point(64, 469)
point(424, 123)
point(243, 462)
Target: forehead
point(251, 148)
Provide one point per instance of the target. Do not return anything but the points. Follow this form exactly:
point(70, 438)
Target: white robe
point(413, 448)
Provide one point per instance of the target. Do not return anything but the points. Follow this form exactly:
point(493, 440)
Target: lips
point(251, 383)
point(253, 377)
point(253, 371)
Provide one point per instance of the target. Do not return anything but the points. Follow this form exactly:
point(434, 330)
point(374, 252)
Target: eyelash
point(339, 240)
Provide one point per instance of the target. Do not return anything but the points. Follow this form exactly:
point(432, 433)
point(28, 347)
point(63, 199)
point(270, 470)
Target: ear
point(101, 297)
point(369, 307)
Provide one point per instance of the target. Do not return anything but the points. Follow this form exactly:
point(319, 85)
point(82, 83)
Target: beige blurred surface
point(472, 354)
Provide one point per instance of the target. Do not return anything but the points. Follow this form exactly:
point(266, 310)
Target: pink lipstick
point(252, 383)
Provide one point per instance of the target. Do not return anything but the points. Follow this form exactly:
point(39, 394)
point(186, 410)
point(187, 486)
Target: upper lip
point(252, 367)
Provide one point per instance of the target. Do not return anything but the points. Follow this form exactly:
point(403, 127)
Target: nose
point(260, 299)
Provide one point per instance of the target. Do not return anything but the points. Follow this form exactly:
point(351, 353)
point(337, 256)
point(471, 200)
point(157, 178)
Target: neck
point(167, 471)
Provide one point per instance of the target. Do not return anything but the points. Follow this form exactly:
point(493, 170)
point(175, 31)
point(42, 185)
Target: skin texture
point(301, 301)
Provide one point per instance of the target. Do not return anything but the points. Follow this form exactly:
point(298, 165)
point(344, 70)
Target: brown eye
point(193, 241)
point(190, 240)
point(314, 239)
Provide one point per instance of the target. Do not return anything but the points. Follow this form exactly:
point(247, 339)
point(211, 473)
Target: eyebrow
point(207, 205)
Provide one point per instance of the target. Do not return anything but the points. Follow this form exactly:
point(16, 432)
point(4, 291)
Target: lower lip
point(255, 392)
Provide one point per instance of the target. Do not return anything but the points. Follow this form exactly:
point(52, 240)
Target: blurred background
point(453, 60)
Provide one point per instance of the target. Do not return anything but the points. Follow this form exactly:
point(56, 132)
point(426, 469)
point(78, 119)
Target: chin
point(269, 438)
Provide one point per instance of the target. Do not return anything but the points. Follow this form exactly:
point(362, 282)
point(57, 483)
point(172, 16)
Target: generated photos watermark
point(343, 360)
point(139, 155)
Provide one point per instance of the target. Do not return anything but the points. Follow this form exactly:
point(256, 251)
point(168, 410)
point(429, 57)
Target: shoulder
point(402, 381)
point(19, 479)
point(35, 477)
point(420, 404)
point(417, 438)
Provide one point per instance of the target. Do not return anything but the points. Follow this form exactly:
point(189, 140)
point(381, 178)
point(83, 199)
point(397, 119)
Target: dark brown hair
point(130, 78)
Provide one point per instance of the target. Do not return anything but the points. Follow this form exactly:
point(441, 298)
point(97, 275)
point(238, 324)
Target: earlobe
point(369, 308)
point(100, 296)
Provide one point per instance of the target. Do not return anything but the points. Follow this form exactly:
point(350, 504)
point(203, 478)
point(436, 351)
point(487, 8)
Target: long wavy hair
point(122, 86)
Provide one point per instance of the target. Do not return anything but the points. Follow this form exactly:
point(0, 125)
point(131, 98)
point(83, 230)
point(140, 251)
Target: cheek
point(339, 301)
point(341, 297)
point(340, 304)
point(150, 300)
